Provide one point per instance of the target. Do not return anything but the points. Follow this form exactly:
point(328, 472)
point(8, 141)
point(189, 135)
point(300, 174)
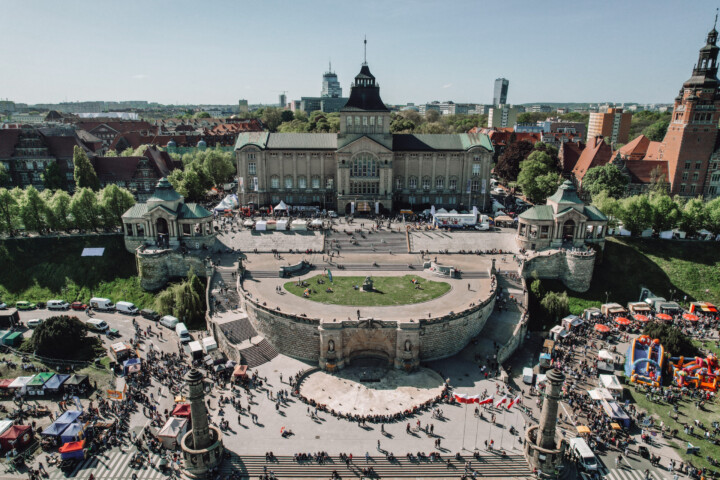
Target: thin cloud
point(447, 85)
point(139, 76)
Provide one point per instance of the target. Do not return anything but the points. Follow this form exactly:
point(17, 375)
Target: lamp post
point(607, 296)
point(672, 293)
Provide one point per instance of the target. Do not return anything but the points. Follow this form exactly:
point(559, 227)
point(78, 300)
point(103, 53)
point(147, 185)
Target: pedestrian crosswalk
point(113, 465)
point(628, 474)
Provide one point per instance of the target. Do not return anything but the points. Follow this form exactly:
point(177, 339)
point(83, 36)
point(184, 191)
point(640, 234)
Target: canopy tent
point(5, 383)
point(55, 429)
point(4, 425)
point(20, 383)
point(240, 371)
point(181, 410)
point(281, 224)
point(602, 328)
point(616, 413)
point(641, 318)
point(209, 343)
point(173, 431)
point(606, 356)
point(68, 417)
point(56, 382)
point(17, 436)
point(600, 394)
point(73, 450)
point(703, 307)
point(612, 383)
point(248, 223)
point(583, 430)
point(441, 210)
point(281, 206)
point(690, 317)
point(261, 225)
point(298, 225)
point(230, 202)
point(77, 382)
point(317, 223)
point(37, 384)
point(622, 321)
point(73, 433)
point(663, 316)
point(132, 365)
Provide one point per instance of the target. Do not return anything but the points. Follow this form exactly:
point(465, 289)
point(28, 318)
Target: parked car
point(150, 314)
point(23, 305)
point(99, 303)
point(78, 306)
point(482, 226)
point(57, 305)
point(169, 321)
point(35, 322)
point(97, 325)
point(126, 308)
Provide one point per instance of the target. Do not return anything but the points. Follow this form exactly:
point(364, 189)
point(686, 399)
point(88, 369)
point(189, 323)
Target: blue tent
point(68, 417)
point(55, 383)
point(131, 365)
point(54, 429)
point(73, 433)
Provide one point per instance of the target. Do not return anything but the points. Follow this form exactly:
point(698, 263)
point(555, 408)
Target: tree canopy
point(85, 176)
point(538, 178)
point(508, 165)
point(184, 300)
point(606, 178)
point(63, 337)
point(672, 339)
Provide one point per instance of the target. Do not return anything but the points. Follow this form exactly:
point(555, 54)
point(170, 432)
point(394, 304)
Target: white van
point(585, 457)
point(98, 303)
point(127, 308)
point(97, 325)
point(182, 333)
point(169, 321)
point(57, 305)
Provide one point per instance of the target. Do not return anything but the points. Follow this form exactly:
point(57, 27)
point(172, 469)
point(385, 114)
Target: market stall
point(36, 386)
point(20, 384)
point(181, 410)
point(173, 431)
point(77, 383)
point(55, 384)
point(17, 437)
point(73, 433)
point(73, 451)
point(281, 224)
point(261, 226)
point(132, 365)
point(240, 371)
point(612, 384)
point(298, 225)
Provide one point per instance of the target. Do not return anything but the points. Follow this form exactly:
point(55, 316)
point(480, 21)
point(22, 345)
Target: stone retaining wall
point(156, 268)
point(575, 270)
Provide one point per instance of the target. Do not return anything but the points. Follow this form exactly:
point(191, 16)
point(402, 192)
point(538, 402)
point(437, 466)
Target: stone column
point(198, 412)
point(548, 416)
point(134, 229)
point(407, 346)
point(294, 169)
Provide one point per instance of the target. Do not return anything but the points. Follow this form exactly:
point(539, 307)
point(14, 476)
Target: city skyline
point(623, 53)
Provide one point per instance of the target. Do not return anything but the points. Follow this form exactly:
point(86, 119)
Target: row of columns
point(150, 229)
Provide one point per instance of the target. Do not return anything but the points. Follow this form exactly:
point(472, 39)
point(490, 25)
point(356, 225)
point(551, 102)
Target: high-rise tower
point(500, 92)
point(330, 85)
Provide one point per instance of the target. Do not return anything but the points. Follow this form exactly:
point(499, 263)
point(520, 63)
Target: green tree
point(555, 305)
point(713, 215)
point(9, 211)
point(114, 201)
point(62, 337)
point(219, 166)
point(272, 118)
point(60, 207)
point(287, 116)
point(53, 178)
point(693, 216)
point(184, 300)
point(635, 213)
point(606, 178)
point(432, 115)
point(85, 209)
point(33, 211)
point(85, 176)
point(656, 131)
point(537, 179)
point(4, 175)
point(665, 213)
point(111, 153)
point(607, 205)
point(192, 183)
point(202, 115)
point(673, 340)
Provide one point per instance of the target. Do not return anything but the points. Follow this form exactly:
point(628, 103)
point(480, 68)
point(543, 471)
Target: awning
point(690, 317)
point(622, 321)
point(663, 316)
point(72, 447)
point(240, 371)
point(582, 429)
point(602, 328)
point(181, 410)
point(641, 318)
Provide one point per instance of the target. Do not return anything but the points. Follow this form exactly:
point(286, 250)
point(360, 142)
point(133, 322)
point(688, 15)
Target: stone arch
point(162, 226)
point(568, 230)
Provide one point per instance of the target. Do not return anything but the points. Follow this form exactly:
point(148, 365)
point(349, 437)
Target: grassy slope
point(690, 268)
point(388, 290)
point(40, 269)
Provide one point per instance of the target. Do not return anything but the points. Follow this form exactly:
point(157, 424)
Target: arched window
point(315, 182)
point(439, 183)
point(412, 183)
point(364, 165)
point(399, 183)
point(288, 181)
point(426, 183)
point(274, 181)
point(302, 181)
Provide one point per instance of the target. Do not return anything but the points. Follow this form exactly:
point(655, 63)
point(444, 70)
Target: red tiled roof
point(569, 154)
point(636, 149)
point(640, 170)
point(63, 146)
point(8, 140)
point(122, 126)
point(594, 155)
point(162, 160)
point(653, 151)
point(115, 169)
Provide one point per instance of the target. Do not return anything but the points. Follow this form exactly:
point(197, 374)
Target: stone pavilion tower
point(541, 447)
point(202, 446)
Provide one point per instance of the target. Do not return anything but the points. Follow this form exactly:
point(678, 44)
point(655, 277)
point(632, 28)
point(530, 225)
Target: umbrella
point(663, 316)
point(641, 318)
point(602, 328)
point(690, 317)
point(622, 321)
point(615, 426)
point(582, 429)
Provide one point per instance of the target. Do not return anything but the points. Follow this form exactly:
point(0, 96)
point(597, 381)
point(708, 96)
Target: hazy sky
point(190, 51)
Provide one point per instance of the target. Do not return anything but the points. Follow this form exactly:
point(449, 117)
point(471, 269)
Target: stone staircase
point(377, 242)
point(257, 354)
point(489, 466)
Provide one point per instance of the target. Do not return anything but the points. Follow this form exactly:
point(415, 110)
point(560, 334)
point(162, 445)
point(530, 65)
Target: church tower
point(690, 139)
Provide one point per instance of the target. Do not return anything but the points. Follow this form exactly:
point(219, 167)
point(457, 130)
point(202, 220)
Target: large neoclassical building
point(364, 168)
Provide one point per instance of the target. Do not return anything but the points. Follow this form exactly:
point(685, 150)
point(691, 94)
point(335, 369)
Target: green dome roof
point(165, 192)
point(566, 193)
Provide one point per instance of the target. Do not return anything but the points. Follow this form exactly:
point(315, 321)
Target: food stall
point(77, 383)
point(17, 437)
point(570, 322)
point(281, 224)
point(20, 384)
point(73, 451)
point(612, 384)
point(703, 307)
point(606, 361)
point(172, 432)
point(616, 413)
point(55, 384)
point(260, 226)
point(612, 309)
point(298, 225)
point(73, 433)
point(36, 386)
point(639, 307)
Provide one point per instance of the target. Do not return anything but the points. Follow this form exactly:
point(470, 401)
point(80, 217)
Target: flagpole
point(464, 425)
point(477, 428)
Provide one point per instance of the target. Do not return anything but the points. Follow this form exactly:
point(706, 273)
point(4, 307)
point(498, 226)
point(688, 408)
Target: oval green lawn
point(388, 291)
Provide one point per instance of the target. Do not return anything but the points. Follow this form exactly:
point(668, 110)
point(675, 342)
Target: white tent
point(172, 432)
point(21, 383)
point(5, 425)
point(612, 383)
point(281, 225)
point(680, 234)
point(229, 202)
point(298, 225)
point(600, 394)
point(647, 232)
point(317, 223)
point(667, 235)
point(248, 223)
point(209, 343)
point(261, 225)
point(281, 206)
point(453, 212)
point(442, 210)
point(432, 210)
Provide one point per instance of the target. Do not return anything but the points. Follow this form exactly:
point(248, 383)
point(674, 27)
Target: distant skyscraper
point(330, 85)
point(501, 91)
point(243, 106)
point(282, 100)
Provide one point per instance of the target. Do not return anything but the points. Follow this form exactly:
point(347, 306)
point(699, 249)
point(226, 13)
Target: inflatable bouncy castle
point(644, 362)
point(698, 373)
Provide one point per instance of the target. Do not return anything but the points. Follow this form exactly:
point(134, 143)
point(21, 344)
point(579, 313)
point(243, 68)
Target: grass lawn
point(687, 414)
point(689, 268)
point(387, 290)
point(40, 269)
point(707, 346)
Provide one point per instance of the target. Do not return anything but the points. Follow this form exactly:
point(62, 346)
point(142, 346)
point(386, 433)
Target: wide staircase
point(376, 242)
point(254, 349)
point(489, 466)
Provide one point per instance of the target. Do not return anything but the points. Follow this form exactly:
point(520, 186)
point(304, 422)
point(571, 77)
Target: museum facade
point(364, 168)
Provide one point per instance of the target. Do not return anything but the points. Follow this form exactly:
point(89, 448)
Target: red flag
point(516, 400)
point(487, 400)
point(463, 398)
point(502, 400)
